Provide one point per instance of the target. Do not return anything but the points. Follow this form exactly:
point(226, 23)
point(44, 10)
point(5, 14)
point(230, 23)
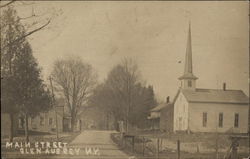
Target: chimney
point(224, 86)
point(167, 99)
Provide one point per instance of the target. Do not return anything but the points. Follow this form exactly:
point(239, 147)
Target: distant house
point(205, 110)
point(162, 116)
point(155, 117)
point(45, 121)
point(58, 116)
point(167, 117)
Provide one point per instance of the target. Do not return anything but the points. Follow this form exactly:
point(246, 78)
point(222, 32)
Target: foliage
point(22, 83)
point(11, 29)
point(33, 95)
point(22, 88)
point(124, 96)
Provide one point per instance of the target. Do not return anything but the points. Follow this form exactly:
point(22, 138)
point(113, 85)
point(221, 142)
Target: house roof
point(159, 107)
point(164, 105)
point(216, 96)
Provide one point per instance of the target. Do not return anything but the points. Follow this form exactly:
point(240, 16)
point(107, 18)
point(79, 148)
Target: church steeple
point(188, 78)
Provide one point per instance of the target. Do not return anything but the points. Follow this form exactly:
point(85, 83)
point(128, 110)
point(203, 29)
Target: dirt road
point(96, 144)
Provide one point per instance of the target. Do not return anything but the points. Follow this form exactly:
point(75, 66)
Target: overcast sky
point(155, 34)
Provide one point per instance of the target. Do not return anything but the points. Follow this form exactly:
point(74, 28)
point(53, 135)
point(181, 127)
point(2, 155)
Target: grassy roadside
point(63, 137)
point(169, 150)
point(15, 153)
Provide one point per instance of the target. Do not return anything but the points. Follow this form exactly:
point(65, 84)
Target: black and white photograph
point(125, 79)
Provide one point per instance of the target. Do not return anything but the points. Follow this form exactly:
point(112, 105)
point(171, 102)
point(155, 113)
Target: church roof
point(187, 76)
point(216, 96)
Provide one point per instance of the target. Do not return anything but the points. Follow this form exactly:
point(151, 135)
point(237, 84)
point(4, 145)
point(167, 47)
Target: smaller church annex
point(203, 110)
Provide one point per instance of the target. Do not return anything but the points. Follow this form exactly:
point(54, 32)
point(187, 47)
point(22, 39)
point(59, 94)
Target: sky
point(155, 35)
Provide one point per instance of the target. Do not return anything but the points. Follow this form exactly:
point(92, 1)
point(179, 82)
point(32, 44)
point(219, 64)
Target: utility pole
point(54, 106)
point(249, 128)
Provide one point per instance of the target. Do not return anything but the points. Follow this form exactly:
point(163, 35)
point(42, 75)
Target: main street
point(96, 144)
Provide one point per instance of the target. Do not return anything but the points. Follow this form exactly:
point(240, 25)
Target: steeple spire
point(188, 61)
point(188, 70)
point(188, 78)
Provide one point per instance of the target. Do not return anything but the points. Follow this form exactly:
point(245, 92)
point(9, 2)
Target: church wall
point(196, 117)
point(181, 113)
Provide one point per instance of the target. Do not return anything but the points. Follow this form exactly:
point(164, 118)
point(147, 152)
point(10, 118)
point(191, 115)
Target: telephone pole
point(54, 106)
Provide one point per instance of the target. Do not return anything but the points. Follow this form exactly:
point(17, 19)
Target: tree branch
point(7, 4)
point(26, 35)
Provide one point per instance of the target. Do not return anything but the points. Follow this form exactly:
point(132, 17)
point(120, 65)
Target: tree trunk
point(11, 127)
point(73, 123)
point(26, 128)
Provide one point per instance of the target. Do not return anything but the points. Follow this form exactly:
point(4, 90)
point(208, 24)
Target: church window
point(204, 119)
point(221, 120)
point(189, 83)
point(236, 120)
point(41, 120)
point(50, 121)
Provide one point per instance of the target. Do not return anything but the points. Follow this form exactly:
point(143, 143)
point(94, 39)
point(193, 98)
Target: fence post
point(161, 144)
point(125, 142)
point(158, 145)
point(178, 149)
point(133, 144)
point(235, 145)
point(122, 140)
point(143, 146)
point(198, 148)
point(216, 146)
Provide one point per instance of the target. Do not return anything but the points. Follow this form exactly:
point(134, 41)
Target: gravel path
point(97, 144)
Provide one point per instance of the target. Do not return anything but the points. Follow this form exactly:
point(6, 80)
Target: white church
point(204, 110)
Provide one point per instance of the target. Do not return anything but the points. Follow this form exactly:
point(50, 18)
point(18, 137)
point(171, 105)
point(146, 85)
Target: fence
point(157, 147)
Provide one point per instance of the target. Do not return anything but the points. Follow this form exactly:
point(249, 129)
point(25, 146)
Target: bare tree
point(122, 80)
point(124, 96)
point(33, 22)
point(76, 81)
